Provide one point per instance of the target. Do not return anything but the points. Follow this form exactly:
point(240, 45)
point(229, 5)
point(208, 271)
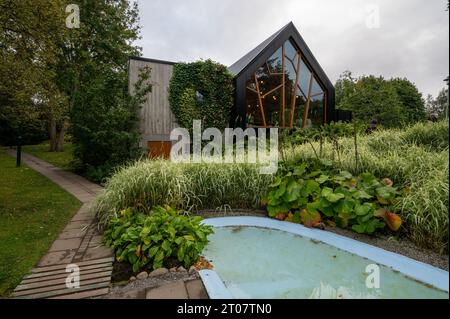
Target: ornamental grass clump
point(185, 186)
point(415, 158)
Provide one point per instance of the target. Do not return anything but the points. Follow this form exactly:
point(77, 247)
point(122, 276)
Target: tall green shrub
point(107, 135)
point(94, 76)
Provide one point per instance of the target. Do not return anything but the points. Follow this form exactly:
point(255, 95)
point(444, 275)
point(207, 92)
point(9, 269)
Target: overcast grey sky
point(412, 39)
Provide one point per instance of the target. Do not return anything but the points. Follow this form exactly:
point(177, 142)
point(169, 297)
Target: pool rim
point(422, 272)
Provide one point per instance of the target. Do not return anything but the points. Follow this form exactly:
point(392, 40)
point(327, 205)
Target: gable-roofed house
point(277, 84)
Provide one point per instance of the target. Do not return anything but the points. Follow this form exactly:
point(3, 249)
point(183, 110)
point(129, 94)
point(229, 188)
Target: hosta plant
point(157, 238)
point(309, 195)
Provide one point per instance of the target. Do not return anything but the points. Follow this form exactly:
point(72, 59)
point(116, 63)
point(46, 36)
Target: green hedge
point(201, 90)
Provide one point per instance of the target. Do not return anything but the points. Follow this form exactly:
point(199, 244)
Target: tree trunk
point(56, 136)
point(52, 133)
point(60, 140)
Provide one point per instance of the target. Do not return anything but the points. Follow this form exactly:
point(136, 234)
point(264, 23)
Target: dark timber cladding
point(247, 67)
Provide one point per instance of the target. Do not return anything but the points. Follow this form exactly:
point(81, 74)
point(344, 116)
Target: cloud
point(412, 40)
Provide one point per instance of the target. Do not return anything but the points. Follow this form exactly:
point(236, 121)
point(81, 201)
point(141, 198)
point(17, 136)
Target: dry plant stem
point(321, 145)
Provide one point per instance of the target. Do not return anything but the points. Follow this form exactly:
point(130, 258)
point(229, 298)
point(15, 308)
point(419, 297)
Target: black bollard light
point(19, 151)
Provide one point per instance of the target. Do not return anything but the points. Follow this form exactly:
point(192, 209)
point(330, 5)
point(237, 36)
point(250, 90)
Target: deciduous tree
point(413, 104)
point(29, 30)
point(370, 97)
point(93, 75)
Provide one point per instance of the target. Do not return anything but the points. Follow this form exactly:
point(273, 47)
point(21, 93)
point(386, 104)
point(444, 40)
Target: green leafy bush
point(306, 194)
point(201, 90)
point(191, 187)
point(157, 239)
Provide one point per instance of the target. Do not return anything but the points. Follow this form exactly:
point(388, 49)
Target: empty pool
point(263, 258)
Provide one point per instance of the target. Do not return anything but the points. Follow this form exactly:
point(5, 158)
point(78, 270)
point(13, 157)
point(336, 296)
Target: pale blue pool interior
point(257, 262)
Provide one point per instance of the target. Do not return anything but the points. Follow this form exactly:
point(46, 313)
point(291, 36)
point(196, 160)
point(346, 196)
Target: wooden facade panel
point(157, 119)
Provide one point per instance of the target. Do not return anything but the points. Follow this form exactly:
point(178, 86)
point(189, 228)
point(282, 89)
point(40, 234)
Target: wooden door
point(159, 149)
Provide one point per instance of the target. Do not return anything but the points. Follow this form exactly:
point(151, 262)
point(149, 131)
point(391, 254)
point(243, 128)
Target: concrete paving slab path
point(79, 242)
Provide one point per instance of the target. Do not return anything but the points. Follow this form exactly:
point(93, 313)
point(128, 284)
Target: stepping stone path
point(79, 244)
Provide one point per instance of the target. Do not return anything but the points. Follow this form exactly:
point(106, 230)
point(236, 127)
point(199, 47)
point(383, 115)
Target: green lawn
point(33, 211)
point(59, 159)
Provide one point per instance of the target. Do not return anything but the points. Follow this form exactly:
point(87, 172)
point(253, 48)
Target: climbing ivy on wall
point(201, 90)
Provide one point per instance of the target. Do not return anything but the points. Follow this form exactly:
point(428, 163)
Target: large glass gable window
point(284, 92)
